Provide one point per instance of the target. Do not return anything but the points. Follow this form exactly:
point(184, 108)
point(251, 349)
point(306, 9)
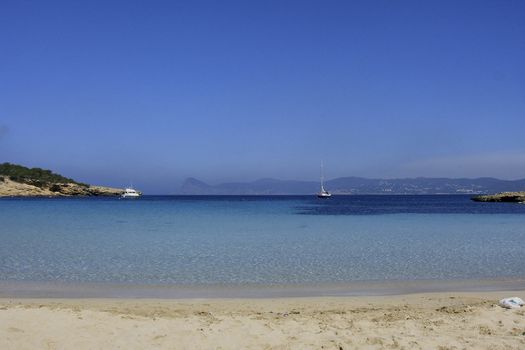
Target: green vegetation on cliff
point(33, 176)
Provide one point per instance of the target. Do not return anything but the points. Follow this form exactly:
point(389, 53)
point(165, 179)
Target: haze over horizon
point(113, 92)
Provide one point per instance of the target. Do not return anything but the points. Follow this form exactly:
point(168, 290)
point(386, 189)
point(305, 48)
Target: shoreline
point(415, 321)
point(25, 289)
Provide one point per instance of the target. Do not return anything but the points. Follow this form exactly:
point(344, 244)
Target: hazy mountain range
point(355, 185)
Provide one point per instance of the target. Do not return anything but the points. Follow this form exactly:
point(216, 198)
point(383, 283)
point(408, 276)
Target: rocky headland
point(513, 197)
point(20, 181)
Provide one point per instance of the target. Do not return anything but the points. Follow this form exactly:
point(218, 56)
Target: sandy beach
point(469, 320)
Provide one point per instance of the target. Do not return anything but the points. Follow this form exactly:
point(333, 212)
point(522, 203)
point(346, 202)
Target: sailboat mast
point(322, 177)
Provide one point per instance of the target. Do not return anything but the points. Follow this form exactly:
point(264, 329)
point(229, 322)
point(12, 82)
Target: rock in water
point(514, 197)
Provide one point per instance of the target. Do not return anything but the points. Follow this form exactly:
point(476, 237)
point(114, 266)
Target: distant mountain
point(258, 187)
point(356, 185)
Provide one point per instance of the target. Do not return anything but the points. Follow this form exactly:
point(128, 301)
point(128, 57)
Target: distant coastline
point(356, 186)
point(20, 181)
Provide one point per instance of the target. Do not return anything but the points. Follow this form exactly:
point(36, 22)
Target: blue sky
point(110, 92)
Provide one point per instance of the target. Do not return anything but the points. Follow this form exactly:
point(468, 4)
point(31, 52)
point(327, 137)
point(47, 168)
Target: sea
point(285, 245)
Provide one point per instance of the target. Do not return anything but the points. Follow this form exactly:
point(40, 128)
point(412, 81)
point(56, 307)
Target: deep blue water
point(262, 240)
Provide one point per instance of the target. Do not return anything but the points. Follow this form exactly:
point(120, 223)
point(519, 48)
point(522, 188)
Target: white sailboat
point(323, 193)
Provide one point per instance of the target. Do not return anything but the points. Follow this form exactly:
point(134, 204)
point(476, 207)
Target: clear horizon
point(116, 92)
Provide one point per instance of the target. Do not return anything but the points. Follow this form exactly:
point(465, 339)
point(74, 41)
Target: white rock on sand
point(424, 321)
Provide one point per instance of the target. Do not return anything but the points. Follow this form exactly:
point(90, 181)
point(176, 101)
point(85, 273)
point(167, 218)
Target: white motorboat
point(130, 193)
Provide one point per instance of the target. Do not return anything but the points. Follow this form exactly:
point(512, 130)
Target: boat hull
point(131, 196)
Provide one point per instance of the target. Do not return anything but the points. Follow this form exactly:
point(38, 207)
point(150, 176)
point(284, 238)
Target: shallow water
point(190, 241)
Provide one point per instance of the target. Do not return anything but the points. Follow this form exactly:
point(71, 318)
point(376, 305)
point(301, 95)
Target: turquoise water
point(259, 240)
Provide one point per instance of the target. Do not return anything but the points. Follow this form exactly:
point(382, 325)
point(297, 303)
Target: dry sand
point(419, 321)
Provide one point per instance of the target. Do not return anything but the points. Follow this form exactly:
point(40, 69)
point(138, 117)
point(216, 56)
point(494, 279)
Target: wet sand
point(30, 289)
point(444, 320)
